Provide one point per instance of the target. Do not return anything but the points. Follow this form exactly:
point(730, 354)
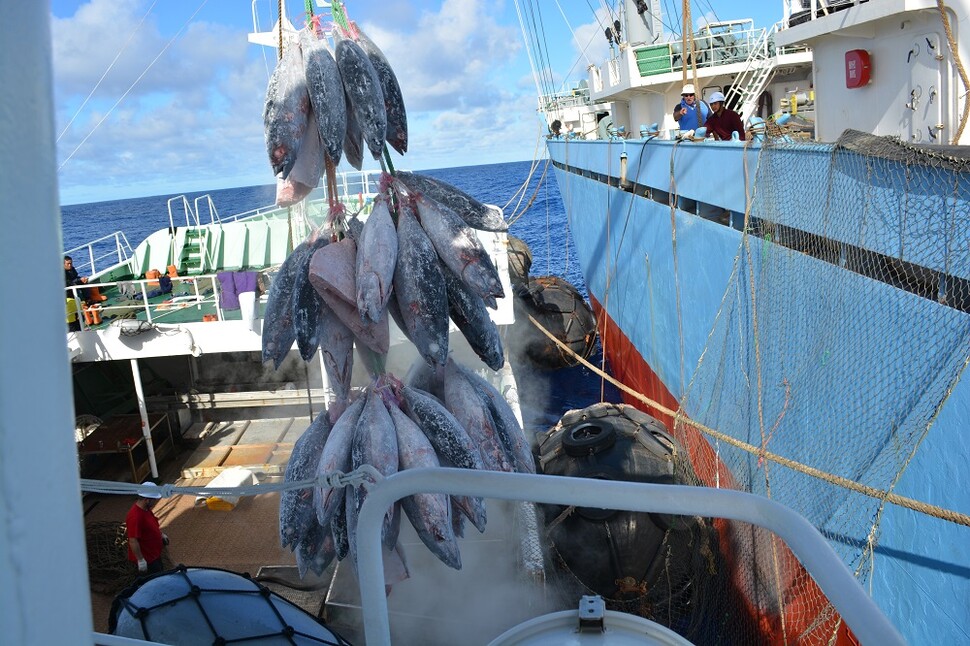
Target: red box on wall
point(857, 66)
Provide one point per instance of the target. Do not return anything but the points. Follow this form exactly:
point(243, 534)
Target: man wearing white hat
point(690, 113)
point(723, 121)
point(145, 537)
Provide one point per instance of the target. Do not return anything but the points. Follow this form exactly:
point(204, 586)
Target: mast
point(642, 21)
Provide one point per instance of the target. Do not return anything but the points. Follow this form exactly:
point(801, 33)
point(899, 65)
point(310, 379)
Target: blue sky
point(191, 87)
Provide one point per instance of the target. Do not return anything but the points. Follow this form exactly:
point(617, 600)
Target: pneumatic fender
point(654, 565)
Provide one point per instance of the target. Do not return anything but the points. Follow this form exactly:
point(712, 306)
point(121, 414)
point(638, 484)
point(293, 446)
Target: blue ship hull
point(834, 342)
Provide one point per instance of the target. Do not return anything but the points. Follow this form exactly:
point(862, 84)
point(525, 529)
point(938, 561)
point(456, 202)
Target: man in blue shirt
point(686, 112)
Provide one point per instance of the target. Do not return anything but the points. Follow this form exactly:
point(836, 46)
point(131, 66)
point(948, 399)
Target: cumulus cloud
point(449, 59)
point(705, 20)
point(589, 42)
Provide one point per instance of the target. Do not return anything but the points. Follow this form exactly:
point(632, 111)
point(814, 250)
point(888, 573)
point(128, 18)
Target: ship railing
point(553, 102)
point(192, 299)
point(835, 580)
point(353, 188)
point(718, 43)
point(803, 11)
point(101, 254)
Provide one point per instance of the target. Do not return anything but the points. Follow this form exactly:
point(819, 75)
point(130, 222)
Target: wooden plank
point(244, 456)
point(204, 459)
point(280, 445)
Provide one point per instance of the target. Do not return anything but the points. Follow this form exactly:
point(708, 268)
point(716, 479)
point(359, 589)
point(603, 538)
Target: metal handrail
point(213, 213)
point(190, 215)
point(120, 249)
point(835, 580)
point(153, 311)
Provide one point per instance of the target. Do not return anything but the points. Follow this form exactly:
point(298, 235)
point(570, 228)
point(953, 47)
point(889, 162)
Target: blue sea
point(543, 226)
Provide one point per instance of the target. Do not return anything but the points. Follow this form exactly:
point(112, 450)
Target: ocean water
point(539, 220)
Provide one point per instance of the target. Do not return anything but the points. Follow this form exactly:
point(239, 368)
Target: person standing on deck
point(723, 121)
point(145, 537)
point(690, 113)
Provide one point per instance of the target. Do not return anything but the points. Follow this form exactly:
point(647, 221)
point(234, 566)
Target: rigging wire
point(570, 27)
point(258, 29)
point(528, 50)
point(109, 68)
point(671, 10)
point(132, 86)
point(541, 50)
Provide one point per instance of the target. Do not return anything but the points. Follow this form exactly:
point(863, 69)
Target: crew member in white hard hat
point(723, 120)
point(686, 112)
point(145, 537)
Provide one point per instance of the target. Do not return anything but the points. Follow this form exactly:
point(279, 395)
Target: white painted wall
point(910, 57)
point(44, 595)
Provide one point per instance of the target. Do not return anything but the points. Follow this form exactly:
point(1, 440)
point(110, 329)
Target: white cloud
point(705, 20)
point(194, 121)
point(451, 59)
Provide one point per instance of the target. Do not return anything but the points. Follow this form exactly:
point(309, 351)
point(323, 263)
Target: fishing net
point(842, 331)
point(109, 569)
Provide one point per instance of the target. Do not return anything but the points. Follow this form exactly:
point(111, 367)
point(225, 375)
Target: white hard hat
point(154, 495)
point(716, 97)
point(688, 89)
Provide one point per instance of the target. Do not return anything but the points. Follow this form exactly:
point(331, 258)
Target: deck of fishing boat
point(246, 540)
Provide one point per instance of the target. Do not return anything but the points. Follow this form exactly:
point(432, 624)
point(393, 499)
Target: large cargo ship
point(793, 303)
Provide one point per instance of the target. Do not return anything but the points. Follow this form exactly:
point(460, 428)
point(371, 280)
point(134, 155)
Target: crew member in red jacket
point(145, 537)
point(723, 121)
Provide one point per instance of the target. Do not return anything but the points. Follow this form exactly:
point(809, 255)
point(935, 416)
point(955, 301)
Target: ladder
point(758, 71)
point(193, 257)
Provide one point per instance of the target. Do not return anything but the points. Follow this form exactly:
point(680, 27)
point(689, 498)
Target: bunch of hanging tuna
point(322, 107)
point(415, 258)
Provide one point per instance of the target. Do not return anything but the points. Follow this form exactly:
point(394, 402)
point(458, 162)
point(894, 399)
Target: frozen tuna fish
point(286, 111)
point(458, 246)
point(420, 290)
point(463, 401)
point(315, 551)
point(326, 93)
point(375, 443)
point(278, 331)
point(474, 213)
point(332, 272)
point(305, 306)
point(376, 259)
point(297, 516)
point(510, 432)
point(397, 118)
point(430, 514)
point(363, 89)
point(469, 313)
point(334, 458)
point(450, 441)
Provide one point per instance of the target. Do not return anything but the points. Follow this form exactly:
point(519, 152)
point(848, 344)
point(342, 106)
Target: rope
point(365, 476)
point(857, 487)
point(279, 50)
point(955, 52)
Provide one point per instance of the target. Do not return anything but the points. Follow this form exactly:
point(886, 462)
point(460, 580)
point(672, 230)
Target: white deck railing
point(143, 291)
point(836, 581)
point(105, 252)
